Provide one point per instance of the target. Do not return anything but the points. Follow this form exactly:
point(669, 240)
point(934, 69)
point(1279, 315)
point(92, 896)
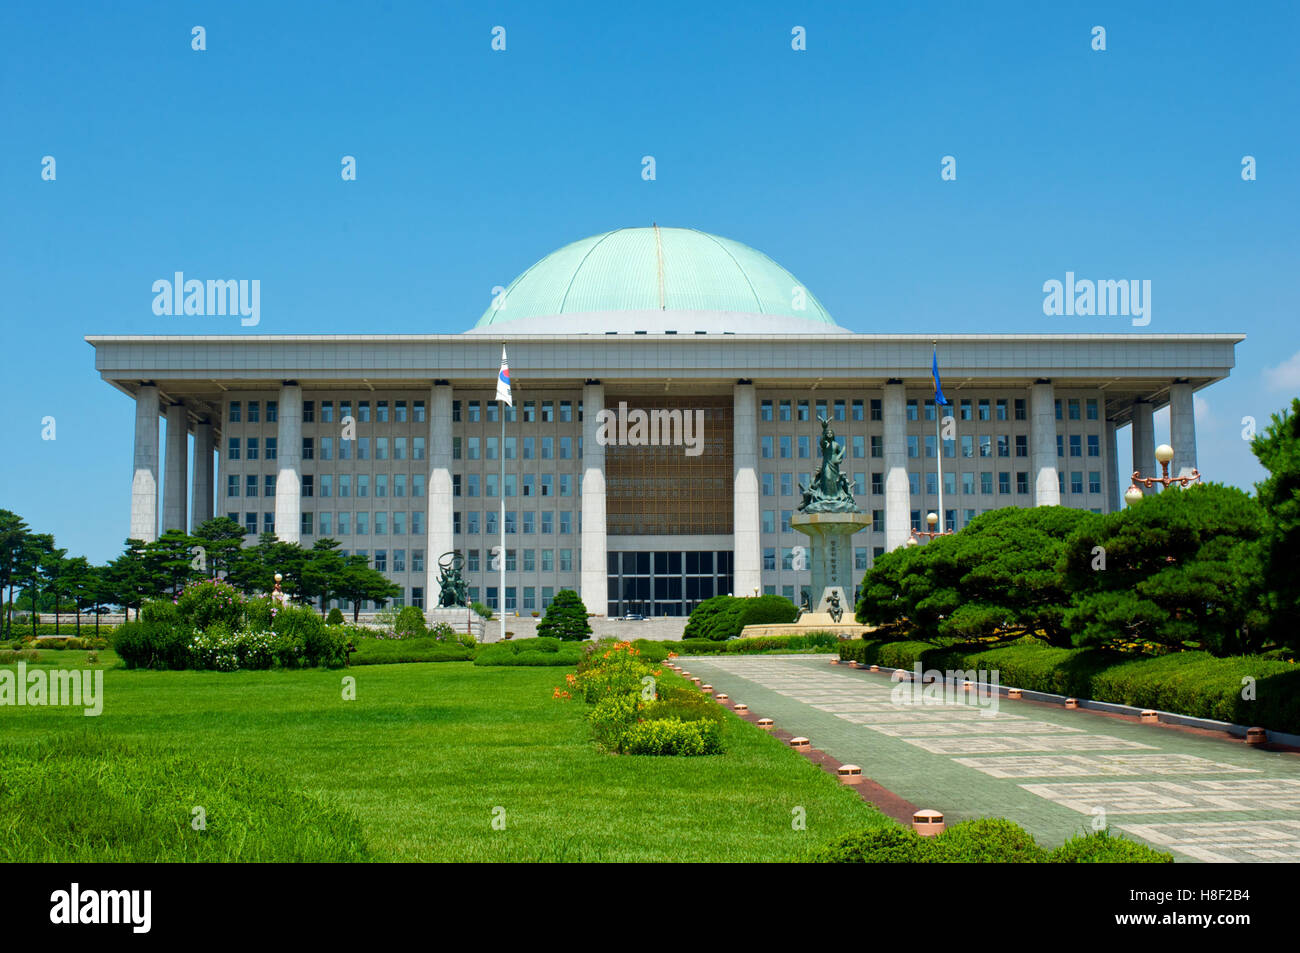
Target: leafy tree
point(253, 569)
point(358, 582)
point(13, 542)
point(79, 581)
point(221, 538)
point(169, 562)
point(1183, 568)
point(321, 571)
point(566, 618)
point(998, 577)
point(1278, 449)
point(127, 580)
point(36, 547)
point(53, 570)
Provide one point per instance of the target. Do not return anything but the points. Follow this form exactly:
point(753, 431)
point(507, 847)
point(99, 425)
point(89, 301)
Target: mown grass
point(78, 797)
point(425, 758)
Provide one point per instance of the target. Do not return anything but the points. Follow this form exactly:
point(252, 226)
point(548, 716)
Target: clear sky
point(472, 164)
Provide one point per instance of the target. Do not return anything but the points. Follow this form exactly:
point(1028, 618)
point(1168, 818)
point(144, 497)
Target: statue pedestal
point(830, 555)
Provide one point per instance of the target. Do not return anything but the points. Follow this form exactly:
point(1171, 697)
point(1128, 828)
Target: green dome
point(673, 278)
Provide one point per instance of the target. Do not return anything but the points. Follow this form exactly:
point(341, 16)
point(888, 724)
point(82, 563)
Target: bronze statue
point(830, 490)
point(834, 607)
point(452, 588)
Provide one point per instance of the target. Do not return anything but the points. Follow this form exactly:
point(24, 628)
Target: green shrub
point(210, 602)
point(9, 656)
point(672, 737)
point(481, 610)
point(375, 651)
point(326, 647)
point(219, 649)
point(893, 844)
point(410, 624)
point(1102, 847)
point(335, 617)
point(767, 610)
point(158, 640)
point(988, 840)
point(684, 705)
point(566, 618)
point(715, 619)
point(532, 652)
point(611, 718)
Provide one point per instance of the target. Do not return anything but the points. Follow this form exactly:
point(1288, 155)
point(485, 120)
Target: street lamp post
point(931, 519)
point(1164, 454)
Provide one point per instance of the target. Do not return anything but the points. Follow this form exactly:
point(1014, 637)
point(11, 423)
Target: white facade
point(419, 475)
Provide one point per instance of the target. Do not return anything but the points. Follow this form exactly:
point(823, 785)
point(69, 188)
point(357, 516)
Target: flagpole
point(938, 439)
point(501, 488)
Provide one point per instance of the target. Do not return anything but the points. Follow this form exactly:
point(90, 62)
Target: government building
point(392, 444)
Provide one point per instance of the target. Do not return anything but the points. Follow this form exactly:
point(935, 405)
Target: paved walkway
point(1049, 769)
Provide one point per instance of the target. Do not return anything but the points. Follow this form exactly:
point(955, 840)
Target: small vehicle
point(633, 617)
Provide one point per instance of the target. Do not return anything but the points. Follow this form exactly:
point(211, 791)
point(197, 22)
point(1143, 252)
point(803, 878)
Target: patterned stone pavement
point(1049, 769)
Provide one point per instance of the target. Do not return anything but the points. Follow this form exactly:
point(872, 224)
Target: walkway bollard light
point(849, 774)
point(927, 823)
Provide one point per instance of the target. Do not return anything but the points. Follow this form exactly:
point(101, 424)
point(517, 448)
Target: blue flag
point(938, 388)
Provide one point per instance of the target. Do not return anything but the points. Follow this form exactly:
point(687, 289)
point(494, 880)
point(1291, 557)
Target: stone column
point(176, 476)
point(288, 479)
point(595, 573)
point(1113, 490)
point(201, 502)
point(1042, 443)
point(441, 502)
point(144, 480)
point(1144, 442)
point(1182, 428)
point(747, 564)
point(898, 493)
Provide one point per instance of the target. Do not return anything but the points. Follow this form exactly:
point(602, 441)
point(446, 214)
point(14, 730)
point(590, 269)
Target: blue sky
point(471, 164)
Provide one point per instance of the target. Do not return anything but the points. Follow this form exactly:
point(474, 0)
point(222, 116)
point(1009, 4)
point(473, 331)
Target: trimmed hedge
point(1189, 683)
point(530, 652)
point(375, 651)
point(818, 642)
point(986, 840)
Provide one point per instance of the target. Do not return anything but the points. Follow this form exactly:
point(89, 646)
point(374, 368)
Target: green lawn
point(426, 752)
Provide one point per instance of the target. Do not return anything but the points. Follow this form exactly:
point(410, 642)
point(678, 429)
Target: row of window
point(360, 523)
point(251, 448)
point(530, 597)
point(528, 525)
point(986, 445)
point(332, 484)
point(966, 408)
point(527, 484)
point(250, 411)
point(562, 411)
point(551, 411)
point(768, 482)
point(530, 562)
point(529, 446)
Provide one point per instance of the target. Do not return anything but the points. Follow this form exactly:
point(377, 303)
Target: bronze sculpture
point(451, 584)
point(830, 490)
